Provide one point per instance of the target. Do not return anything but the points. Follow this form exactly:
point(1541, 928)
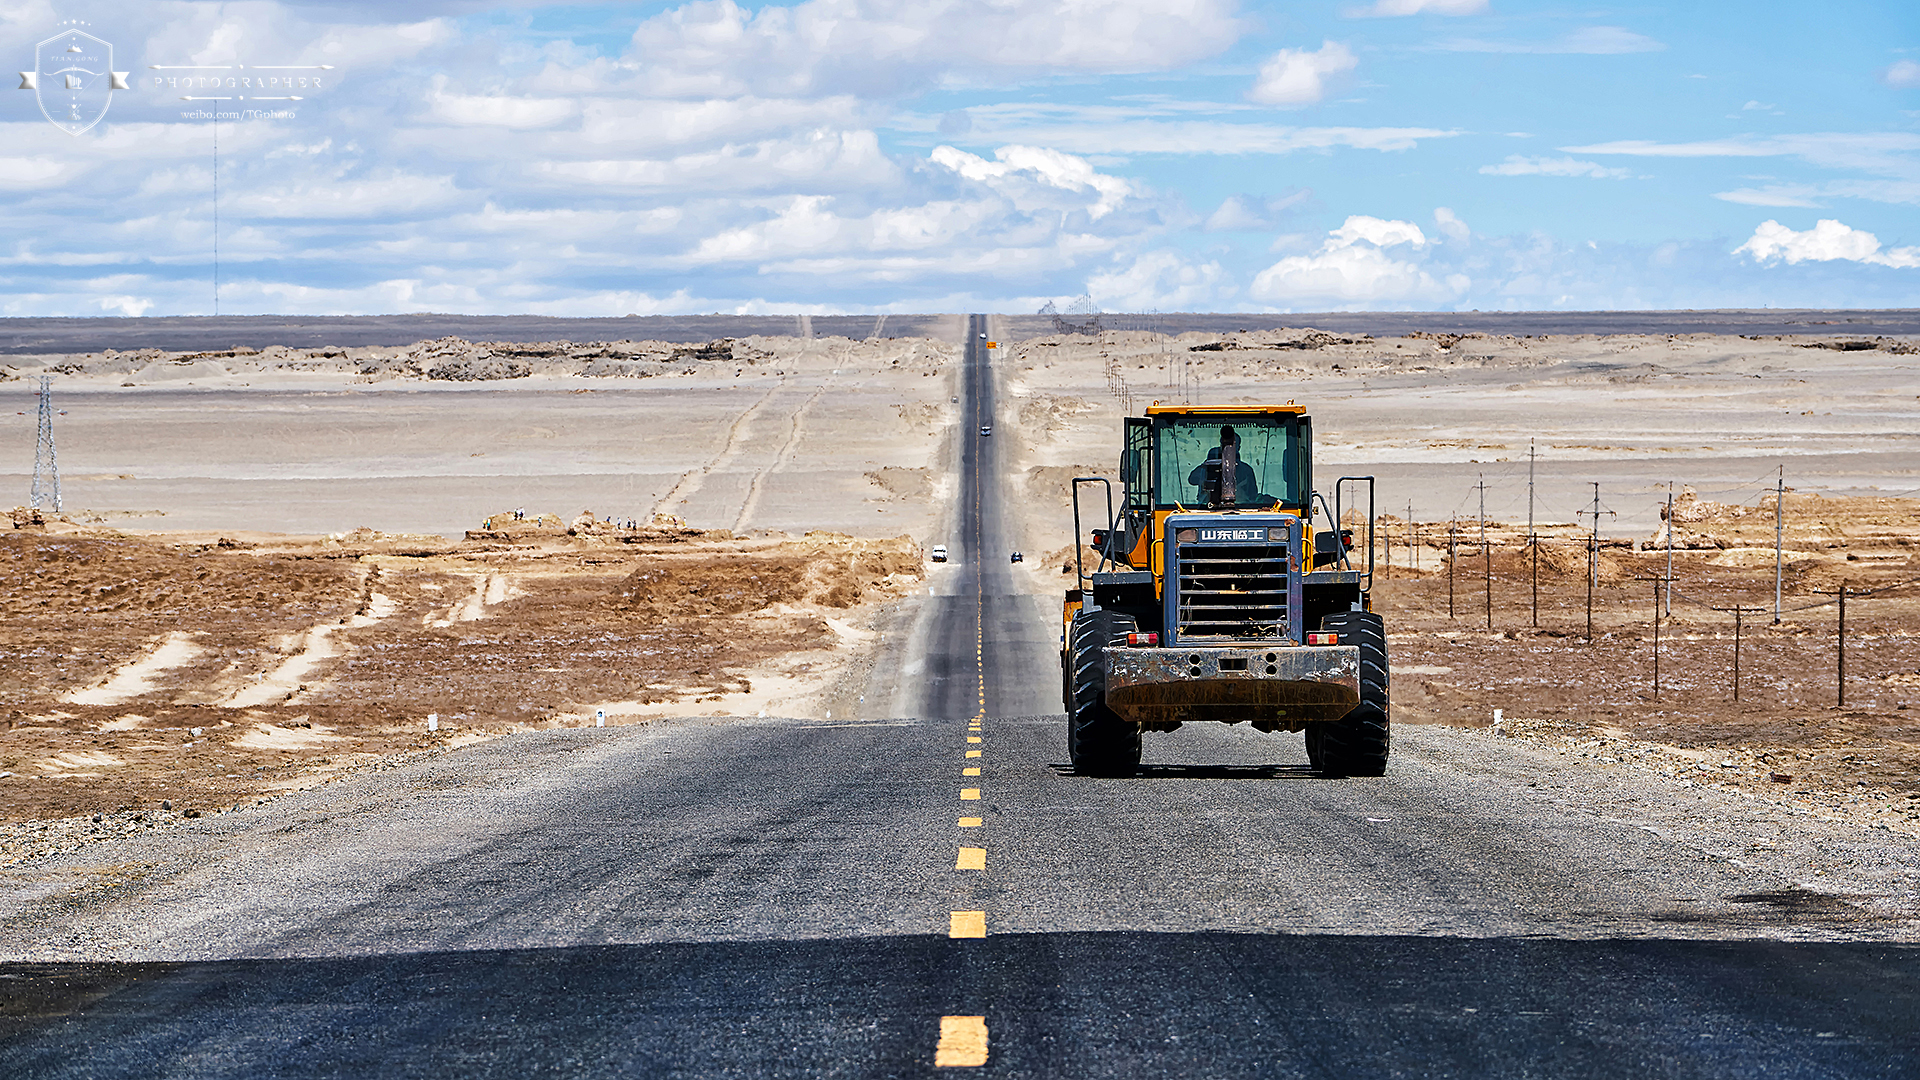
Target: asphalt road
point(785, 898)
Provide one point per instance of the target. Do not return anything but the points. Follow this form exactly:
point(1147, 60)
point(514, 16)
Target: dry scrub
point(141, 670)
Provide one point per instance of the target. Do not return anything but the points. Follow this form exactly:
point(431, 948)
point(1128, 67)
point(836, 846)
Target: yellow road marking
point(971, 858)
point(969, 822)
point(969, 794)
point(967, 924)
point(973, 753)
point(970, 772)
point(973, 738)
point(963, 1041)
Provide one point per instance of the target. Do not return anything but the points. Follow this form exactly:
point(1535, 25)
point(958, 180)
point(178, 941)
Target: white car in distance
point(939, 553)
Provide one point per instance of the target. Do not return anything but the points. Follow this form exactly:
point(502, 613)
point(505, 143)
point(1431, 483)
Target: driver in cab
point(1206, 476)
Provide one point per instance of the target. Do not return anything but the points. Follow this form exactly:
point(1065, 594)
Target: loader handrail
point(1079, 566)
point(1338, 486)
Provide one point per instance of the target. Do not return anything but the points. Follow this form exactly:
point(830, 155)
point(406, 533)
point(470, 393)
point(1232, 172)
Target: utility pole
point(1486, 552)
point(1533, 542)
point(1451, 550)
point(1739, 612)
point(1737, 609)
point(1656, 634)
point(1413, 540)
point(1842, 680)
point(1779, 529)
point(1593, 558)
point(46, 465)
point(1669, 549)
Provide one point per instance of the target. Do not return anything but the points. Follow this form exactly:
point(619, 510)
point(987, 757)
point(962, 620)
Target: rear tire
point(1099, 742)
point(1358, 743)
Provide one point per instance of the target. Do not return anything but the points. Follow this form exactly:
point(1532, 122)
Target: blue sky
point(874, 155)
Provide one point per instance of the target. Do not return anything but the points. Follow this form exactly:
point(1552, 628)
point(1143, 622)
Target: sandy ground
point(1708, 418)
point(147, 662)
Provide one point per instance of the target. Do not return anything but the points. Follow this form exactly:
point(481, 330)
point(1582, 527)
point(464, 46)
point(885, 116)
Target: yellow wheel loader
point(1214, 597)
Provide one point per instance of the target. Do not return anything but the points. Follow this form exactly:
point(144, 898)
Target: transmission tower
point(46, 467)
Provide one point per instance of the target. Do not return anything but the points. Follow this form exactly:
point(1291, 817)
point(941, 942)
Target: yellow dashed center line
point(963, 1041)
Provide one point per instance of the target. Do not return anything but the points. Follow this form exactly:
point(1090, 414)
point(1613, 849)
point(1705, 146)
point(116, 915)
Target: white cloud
point(716, 48)
point(1380, 232)
point(1390, 8)
point(1019, 170)
point(1206, 137)
point(1884, 151)
point(1162, 281)
point(825, 159)
point(499, 110)
point(1755, 105)
point(1827, 241)
point(1353, 268)
point(1244, 212)
point(1450, 225)
point(1517, 165)
point(1903, 74)
point(1296, 77)
point(1772, 195)
point(1590, 40)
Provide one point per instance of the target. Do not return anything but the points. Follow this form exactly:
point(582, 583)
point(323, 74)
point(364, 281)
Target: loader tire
point(1099, 743)
point(1358, 743)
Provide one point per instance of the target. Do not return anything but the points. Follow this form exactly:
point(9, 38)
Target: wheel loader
point(1217, 597)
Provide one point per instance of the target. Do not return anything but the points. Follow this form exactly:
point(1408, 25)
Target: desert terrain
point(274, 564)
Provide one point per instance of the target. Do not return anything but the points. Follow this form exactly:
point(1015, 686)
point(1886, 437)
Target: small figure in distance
point(1204, 477)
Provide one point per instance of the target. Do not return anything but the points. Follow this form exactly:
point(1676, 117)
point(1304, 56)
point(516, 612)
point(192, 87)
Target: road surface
point(767, 897)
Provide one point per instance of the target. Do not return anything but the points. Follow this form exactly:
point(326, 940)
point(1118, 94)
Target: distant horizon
point(55, 335)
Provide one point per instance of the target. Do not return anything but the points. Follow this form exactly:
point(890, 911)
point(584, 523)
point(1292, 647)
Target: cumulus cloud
point(1827, 241)
point(1517, 165)
point(1354, 267)
point(1390, 8)
point(1902, 74)
point(1032, 176)
point(1162, 281)
point(1297, 77)
point(1450, 225)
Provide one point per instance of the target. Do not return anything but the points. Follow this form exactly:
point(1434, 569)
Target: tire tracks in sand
point(780, 460)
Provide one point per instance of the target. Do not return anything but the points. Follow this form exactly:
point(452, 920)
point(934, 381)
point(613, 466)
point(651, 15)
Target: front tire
point(1099, 742)
point(1358, 743)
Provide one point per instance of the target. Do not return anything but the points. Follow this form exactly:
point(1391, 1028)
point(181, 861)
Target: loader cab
point(1176, 457)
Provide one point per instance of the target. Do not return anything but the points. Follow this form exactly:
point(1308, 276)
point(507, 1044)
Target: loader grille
point(1231, 591)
